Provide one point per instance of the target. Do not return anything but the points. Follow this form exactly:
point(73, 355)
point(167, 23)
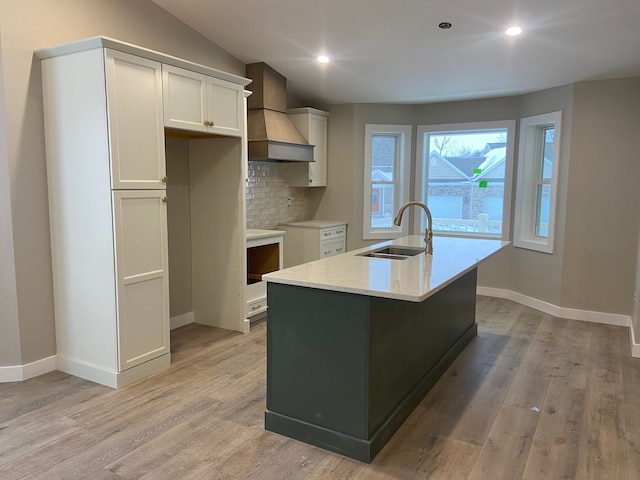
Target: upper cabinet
point(134, 98)
point(197, 102)
point(312, 123)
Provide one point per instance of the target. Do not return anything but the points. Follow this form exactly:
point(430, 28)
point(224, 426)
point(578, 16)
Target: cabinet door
point(185, 104)
point(225, 103)
point(140, 227)
point(136, 131)
point(314, 128)
point(318, 137)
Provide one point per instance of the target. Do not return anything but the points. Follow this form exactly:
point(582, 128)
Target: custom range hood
point(272, 136)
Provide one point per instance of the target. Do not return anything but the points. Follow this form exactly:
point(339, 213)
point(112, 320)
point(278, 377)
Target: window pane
point(543, 196)
point(547, 164)
point(382, 206)
point(465, 173)
point(383, 157)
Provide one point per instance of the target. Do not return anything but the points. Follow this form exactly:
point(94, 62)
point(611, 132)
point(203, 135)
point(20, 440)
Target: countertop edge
point(286, 278)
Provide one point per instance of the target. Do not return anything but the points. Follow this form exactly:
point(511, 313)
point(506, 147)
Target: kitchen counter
point(254, 233)
point(354, 343)
point(413, 279)
point(314, 224)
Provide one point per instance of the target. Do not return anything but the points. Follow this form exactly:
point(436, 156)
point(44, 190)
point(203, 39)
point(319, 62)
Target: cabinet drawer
point(330, 233)
point(333, 247)
point(256, 306)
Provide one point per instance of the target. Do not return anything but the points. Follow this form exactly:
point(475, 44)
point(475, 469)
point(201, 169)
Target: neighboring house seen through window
point(463, 175)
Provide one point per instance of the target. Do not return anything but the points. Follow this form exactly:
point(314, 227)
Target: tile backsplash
point(268, 196)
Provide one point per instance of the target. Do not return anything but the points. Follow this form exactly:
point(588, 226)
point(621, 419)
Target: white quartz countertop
point(253, 233)
point(314, 223)
point(413, 279)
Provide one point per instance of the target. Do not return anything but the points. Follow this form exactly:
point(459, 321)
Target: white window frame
point(510, 126)
point(530, 159)
point(400, 182)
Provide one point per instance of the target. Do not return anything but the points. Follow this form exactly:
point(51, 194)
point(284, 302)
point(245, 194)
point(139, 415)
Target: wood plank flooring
point(531, 397)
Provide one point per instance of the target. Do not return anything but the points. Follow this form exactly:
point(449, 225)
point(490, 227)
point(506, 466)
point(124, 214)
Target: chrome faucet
point(428, 232)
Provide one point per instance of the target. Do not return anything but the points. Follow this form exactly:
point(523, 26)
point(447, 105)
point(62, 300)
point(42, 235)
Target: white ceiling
point(392, 51)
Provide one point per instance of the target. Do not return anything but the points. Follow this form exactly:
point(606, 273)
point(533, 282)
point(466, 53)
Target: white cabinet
point(106, 168)
point(136, 133)
point(312, 123)
point(104, 106)
point(140, 228)
point(197, 102)
point(264, 255)
point(311, 240)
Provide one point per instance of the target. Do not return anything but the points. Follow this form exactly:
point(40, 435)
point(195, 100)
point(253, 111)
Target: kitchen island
point(354, 342)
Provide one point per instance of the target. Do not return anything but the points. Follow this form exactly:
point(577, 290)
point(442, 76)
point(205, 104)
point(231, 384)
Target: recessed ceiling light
point(322, 59)
point(513, 31)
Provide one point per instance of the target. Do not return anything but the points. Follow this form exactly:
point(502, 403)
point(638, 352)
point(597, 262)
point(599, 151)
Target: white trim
point(560, 312)
point(181, 320)
point(18, 373)
point(110, 378)
point(635, 346)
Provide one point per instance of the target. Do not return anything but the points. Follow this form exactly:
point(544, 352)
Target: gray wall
point(603, 197)
point(27, 322)
point(178, 225)
point(9, 326)
point(593, 266)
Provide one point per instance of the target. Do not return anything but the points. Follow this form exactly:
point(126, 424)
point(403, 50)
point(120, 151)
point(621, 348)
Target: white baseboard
point(109, 377)
point(18, 373)
point(635, 346)
point(181, 320)
point(568, 313)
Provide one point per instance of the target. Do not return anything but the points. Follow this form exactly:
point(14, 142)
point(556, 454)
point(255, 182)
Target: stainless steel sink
point(392, 252)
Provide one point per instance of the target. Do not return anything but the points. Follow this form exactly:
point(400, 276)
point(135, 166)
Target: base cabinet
point(140, 227)
point(311, 240)
point(264, 255)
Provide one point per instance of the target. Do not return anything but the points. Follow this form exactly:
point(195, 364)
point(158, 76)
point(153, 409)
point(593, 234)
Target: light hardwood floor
point(532, 396)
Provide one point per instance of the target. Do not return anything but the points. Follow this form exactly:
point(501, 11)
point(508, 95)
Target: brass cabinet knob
point(164, 179)
point(164, 199)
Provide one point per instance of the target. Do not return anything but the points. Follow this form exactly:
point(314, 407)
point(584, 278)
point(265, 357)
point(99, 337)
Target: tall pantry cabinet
point(106, 174)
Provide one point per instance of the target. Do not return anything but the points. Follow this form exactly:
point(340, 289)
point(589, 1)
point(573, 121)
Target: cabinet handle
point(338, 249)
point(310, 181)
point(164, 199)
point(164, 179)
point(208, 123)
